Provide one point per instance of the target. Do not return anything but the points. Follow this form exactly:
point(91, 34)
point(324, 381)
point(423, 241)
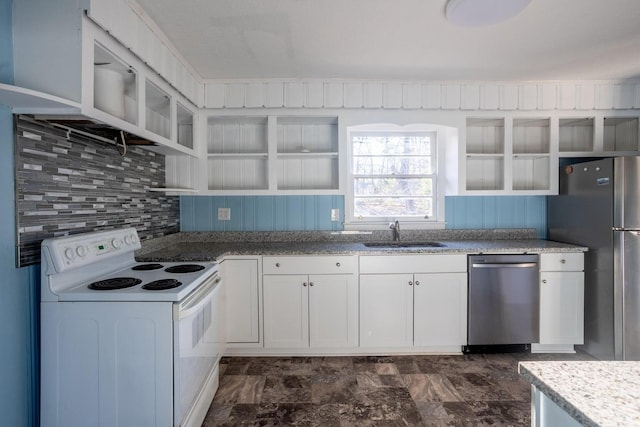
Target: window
point(394, 176)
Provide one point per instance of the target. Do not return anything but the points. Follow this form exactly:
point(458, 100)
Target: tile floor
point(460, 390)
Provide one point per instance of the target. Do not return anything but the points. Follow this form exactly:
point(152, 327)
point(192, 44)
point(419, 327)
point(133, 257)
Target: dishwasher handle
point(505, 265)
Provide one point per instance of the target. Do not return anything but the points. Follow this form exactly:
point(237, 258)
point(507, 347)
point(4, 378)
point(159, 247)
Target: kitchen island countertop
point(213, 251)
point(594, 393)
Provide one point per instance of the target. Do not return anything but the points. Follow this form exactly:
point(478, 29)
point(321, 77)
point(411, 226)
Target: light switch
point(224, 214)
point(335, 214)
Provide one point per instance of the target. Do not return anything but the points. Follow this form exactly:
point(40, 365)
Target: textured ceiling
point(400, 39)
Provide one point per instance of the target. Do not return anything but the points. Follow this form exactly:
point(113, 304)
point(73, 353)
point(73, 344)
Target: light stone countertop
point(208, 247)
point(594, 393)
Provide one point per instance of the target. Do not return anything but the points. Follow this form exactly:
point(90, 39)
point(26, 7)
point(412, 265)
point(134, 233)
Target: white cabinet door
point(286, 308)
point(333, 309)
point(241, 278)
point(386, 310)
point(561, 307)
point(440, 309)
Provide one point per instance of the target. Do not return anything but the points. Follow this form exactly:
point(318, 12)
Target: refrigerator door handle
point(625, 229)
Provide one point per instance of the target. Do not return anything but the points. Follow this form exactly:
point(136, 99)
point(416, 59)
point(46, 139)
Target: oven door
point(198, 345)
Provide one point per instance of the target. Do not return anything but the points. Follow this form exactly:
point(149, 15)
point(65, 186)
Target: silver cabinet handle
point(505, 265)
point(310, 283)
point(304, 284)
point(563, 261)
point(544, 280)
point(410, 283)
point(417, 283)
point(277, 264)
point(337, 264)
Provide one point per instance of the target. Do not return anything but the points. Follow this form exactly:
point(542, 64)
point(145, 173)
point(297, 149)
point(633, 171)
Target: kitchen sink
point(404, 245)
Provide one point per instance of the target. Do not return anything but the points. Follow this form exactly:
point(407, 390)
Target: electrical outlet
point(335, 214)
point(224, 214)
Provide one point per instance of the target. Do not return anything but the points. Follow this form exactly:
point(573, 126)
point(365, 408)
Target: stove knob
point(69, 253)
point(115, 243)
point(81, 251)
point(130, 240)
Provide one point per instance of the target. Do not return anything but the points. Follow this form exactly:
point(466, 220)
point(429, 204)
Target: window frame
point(436, 221)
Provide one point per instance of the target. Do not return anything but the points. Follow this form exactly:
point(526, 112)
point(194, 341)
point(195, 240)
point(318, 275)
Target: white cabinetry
point(100, 78)
point(508, 155)
point(561, 301)
point(310, 302)
point(272, 154)
point(413, 301)
point(242, 296)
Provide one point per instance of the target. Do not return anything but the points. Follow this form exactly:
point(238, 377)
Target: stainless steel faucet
point(395, 229)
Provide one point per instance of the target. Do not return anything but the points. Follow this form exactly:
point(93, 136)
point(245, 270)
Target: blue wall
point(18, 287)
point(285, 213)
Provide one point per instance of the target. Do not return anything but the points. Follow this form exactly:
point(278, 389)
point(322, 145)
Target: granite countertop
point(179, 249)
point(594, 393)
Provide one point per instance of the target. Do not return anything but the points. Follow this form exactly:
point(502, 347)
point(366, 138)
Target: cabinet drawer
point(438, 263)
point(339, 264)
point(565, 261)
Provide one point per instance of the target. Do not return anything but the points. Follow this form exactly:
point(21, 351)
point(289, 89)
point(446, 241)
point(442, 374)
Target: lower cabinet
point(310, 310)
point(242, 296)
point(414, 309)
point(561, 299)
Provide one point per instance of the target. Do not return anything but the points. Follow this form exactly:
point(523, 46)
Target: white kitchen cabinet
point(237, 153)
point(386, 310)
point(286, 311)
point(316, 310)
point(621, 134)
point(440, 310)
point(103, 79)
point(413, 301)
point(242, 297)
point(307, 153)
point(509, 156)
point(561, 300)
point(266, 155)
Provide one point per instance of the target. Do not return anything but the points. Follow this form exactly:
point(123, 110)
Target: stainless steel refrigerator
point(599, 207)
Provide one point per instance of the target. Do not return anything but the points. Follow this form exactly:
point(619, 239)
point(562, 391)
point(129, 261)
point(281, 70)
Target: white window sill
point(384, 225)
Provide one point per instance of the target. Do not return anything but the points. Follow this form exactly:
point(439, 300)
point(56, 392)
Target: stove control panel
point(83, 249)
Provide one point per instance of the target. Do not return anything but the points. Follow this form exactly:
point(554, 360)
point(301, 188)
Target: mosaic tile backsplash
point(77, 185)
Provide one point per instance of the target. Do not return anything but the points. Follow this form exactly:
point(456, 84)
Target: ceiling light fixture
point(478, 13)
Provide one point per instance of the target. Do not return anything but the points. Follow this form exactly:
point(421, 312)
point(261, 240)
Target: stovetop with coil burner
point(101, 266)
point(167, 281)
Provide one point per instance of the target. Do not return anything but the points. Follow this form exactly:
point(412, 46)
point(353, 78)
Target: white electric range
point(126, 343)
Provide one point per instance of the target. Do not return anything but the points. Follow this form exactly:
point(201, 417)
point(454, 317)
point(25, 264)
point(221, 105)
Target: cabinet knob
point(337, 264)
point(310, 283)
point(563, 261)
point(417, 282)
point(277, 264)
point(304, 284)
point(544, 280)
point(410, 283)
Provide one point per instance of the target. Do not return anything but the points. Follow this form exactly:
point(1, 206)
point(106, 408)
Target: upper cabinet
point(273, 154)
point(517, 154)
point(508, 156)
point(83, 71)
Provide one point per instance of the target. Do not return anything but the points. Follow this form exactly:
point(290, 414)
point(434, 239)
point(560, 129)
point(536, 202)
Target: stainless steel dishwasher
point(503, 302)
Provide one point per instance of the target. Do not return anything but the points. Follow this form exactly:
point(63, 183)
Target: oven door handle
point(198, 298)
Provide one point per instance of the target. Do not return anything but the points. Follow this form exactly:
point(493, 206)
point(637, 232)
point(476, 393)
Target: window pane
point(393, 187)
point(392, 145)
point(392, 207)
point(392, 166)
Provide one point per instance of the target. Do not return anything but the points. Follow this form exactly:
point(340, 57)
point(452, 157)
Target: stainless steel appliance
point(503, 301)
point(122, 342)
point(599, 207)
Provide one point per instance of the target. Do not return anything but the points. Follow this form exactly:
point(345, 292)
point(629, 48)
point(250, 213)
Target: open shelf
point(576, 134)
point(620, 134)
point(531, 136)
